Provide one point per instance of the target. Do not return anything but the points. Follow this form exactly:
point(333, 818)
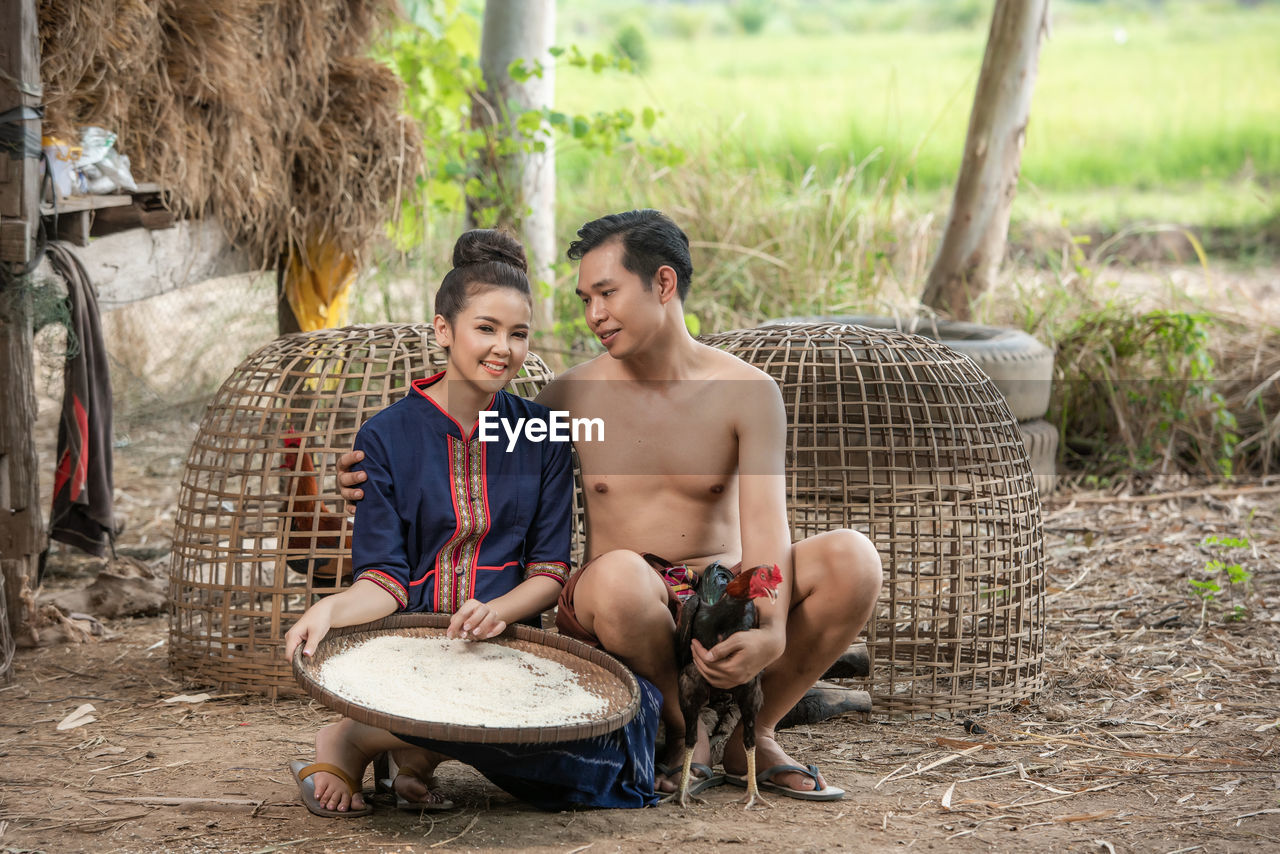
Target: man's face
point(618, 308)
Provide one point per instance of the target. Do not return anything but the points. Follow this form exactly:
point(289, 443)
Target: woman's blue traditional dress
point(446, 518)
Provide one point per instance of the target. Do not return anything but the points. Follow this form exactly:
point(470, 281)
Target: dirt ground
point(1159, 731)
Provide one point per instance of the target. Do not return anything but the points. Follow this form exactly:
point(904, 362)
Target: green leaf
point(529, 123)
point(648, 117)
point(517, 72)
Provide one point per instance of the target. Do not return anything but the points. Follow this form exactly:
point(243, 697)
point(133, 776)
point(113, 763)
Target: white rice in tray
point(458, 682)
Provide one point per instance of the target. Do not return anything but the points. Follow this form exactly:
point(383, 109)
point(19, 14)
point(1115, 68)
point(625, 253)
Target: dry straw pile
point(265, 114)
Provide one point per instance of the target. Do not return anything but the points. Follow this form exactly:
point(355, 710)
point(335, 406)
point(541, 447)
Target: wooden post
point(22, 536)
point(525, 30)
point(973, 244)
point(286, 320)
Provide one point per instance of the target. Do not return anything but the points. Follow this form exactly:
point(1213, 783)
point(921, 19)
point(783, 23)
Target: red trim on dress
point(420, 386)
point(498, 568)
point(537, 567)
point(387, 583)
point(444, 556)
point(484, 484)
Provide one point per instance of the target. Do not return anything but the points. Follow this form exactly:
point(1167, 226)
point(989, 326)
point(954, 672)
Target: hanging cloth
point(82, 489)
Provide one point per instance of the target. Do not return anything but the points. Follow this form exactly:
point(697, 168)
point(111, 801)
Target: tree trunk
point(21, 526)
point(525, 181)
point(973, 244)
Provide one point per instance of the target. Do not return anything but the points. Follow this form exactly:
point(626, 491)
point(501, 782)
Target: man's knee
point(845, 562)
point(619, 585)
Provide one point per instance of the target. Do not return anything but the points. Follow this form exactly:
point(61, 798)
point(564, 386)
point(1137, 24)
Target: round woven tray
point(596, 671)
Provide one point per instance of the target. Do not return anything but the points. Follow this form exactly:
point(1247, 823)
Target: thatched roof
point(266, 114)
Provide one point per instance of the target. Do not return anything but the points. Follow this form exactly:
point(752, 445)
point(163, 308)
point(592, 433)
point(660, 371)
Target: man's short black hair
point(649, 240)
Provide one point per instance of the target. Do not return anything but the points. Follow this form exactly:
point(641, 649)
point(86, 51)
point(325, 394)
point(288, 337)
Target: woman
point(452, 524)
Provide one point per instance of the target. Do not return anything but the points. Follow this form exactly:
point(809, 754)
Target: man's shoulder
point(558, 394)
point(723, 365)
point(593, 368)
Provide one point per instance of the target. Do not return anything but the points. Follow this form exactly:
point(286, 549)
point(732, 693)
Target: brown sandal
point(302, 773)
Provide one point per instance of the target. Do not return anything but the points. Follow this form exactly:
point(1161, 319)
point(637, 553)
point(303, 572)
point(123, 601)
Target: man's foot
point(332, 792)
point(667, 768)
point(769, 754)
point(414, 776)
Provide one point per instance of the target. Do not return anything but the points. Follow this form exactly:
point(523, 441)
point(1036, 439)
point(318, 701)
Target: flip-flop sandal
point(764, 781)
point(387, 783)
point(307, 787)
point(697, 784)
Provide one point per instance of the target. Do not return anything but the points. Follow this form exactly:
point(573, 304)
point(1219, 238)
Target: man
point(691, 468)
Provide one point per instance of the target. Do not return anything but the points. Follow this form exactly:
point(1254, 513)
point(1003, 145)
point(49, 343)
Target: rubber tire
point(1041, 439)
point(1019, 365)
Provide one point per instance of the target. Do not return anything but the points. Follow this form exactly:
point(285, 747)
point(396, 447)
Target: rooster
point(311, 526)
point(724, 605)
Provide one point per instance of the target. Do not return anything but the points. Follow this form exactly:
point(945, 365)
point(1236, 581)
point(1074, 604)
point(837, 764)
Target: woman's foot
point(414, 777)
point(335, 747)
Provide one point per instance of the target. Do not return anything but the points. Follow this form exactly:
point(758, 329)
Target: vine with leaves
point(435, 50)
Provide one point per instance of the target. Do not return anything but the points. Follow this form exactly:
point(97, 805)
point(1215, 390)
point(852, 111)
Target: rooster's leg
point(748, 701)
point(753, 788)
point(686, 774)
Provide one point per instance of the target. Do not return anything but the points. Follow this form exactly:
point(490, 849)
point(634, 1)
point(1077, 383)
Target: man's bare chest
point(644, 433)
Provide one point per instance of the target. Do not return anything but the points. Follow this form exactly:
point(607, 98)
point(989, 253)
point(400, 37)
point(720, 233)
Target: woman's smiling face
point(489, 338)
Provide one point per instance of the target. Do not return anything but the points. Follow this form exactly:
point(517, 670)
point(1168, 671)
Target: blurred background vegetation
point(810, 149)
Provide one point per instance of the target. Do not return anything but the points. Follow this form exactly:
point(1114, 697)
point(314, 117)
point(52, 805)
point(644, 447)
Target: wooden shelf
point(75, 204)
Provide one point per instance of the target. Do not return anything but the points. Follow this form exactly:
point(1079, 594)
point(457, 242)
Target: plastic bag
point(104, 168)
point(62, 158)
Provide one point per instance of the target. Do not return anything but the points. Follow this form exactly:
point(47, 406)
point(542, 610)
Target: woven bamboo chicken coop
point(898, 437)
point(260, 533)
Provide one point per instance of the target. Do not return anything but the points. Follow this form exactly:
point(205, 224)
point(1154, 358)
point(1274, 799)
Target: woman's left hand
point(475, 621)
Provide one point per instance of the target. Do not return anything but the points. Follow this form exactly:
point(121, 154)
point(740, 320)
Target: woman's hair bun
point(486, 245)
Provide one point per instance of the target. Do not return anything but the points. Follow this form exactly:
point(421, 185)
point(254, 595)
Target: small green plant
point(1224, 581)
point(750, 15)
point(1136, 390)
point(630, 42)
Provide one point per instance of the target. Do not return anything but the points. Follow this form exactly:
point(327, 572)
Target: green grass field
point(1184, 102)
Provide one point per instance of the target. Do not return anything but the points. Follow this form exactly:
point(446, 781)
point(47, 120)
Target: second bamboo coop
point(898, 437)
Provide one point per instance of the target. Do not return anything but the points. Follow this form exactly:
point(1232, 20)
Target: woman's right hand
point(349, 480)
point(475, 620)
point(310, 628)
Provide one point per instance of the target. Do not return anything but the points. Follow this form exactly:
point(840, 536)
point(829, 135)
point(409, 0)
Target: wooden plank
point(15, 240)
point(10, 175)
point(73, 227)
point(72, 204)
point(20, 87)
point(21, 526)
point(147, 211)
point(7, 645)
